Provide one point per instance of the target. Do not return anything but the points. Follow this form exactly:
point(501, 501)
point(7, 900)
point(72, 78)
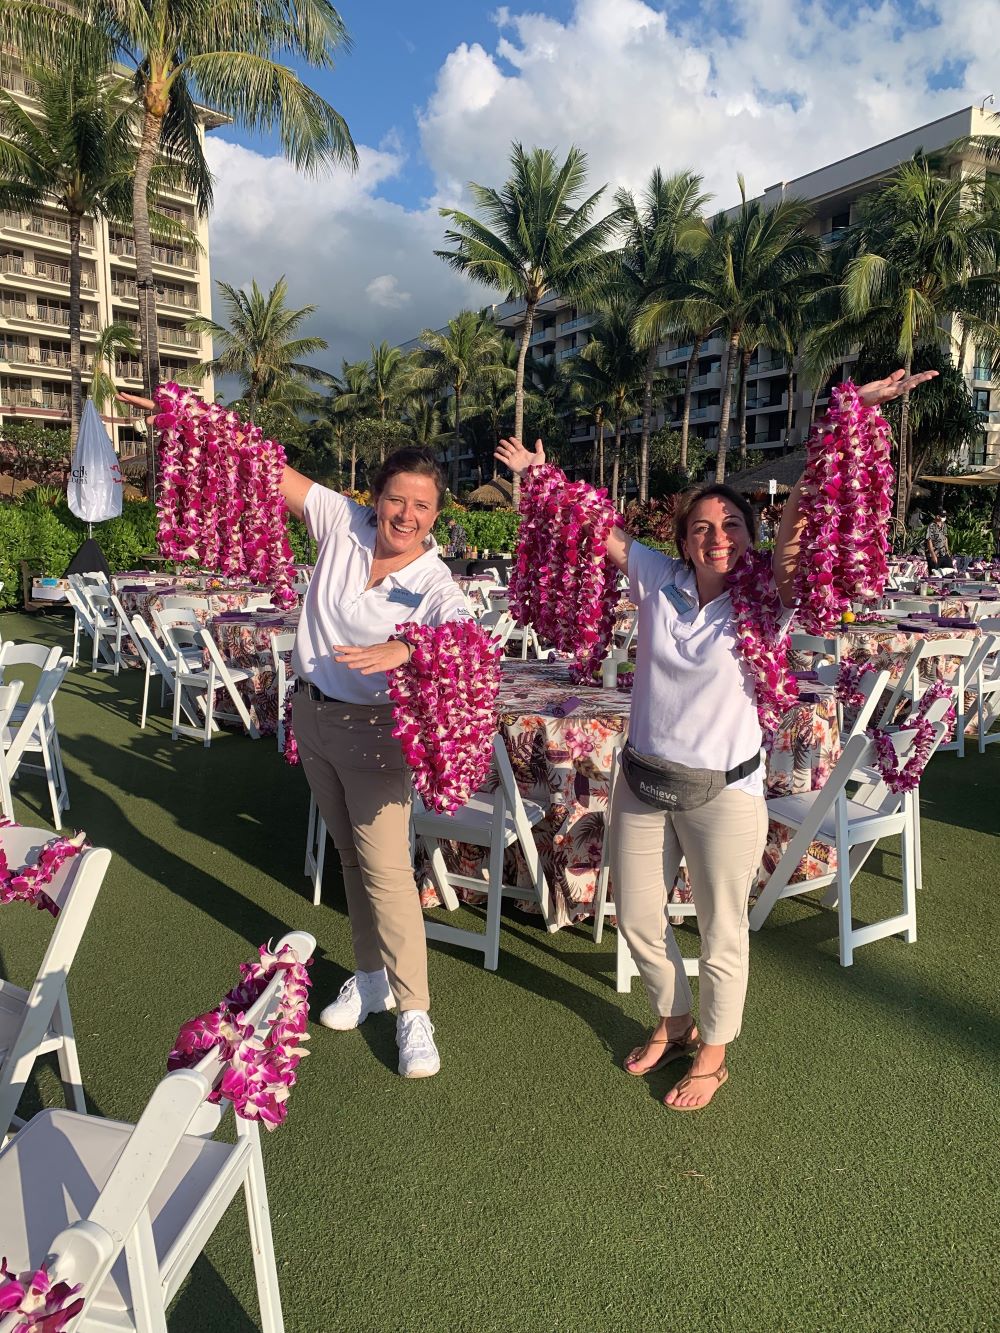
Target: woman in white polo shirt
point(375, 569)
point(693, 704)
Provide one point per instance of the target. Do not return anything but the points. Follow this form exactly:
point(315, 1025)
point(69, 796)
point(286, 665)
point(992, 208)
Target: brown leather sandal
point(673, 1049)
point(721, 1075)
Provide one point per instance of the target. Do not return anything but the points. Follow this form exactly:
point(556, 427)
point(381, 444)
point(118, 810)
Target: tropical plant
point(535, 235)
point(390, 376)
point(925, 246)
point(261, 345)
point(453, 358)
point(616, 366)
point(31, 451)
point(662, 232)
point(75, 150)
point(113, 340)
point(185, 52)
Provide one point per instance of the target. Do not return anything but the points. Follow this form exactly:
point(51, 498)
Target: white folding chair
point(907, 605)
point(315, 849)
point(871, 686)
point(9, 695)
point(502, 626)
point(282, 643)
point(126, 1210)
point(497, 820)
point(911, 686)
point(177, 627)
point(33, 732)
point(85, 620)
point(35, 1021)
point(815, 644)
point(982, 673)
point(107, 630)
point(854, 828)
point(157, 663)
point(223, 676)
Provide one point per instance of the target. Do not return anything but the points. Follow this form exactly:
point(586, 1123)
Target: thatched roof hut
point(495, 494)
point(785, 469)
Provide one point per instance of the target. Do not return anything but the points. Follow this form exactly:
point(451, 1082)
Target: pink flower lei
point(562, 581)
point(887, 761)
point(846, 501)
point(26, 884)
point(220, 502)
point(445, 709)
point(41, 1305)
point(760, 642)
point(260, 1073)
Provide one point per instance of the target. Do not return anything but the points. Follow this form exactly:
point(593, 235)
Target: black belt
point(317, 694)
point(743, 770)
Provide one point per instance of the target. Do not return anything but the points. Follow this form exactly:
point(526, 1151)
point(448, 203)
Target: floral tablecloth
point(146, 598)
point(564, 763)
point(244, 640)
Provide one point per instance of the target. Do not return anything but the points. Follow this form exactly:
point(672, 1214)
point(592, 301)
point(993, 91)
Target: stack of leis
point(846, 500)
point(908, 777)
point(562, 581)
point(445, 709)
point(261, 1072)
point(26, 885)
point(761, 644)
point(35, 1303)
point(219, 501)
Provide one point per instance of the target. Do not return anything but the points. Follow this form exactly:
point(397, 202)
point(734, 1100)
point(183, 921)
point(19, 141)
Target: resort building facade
point(34, 300)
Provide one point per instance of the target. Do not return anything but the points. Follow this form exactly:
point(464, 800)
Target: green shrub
point(487, 530)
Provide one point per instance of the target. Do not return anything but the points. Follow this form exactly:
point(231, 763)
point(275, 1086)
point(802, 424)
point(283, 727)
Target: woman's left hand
point(377, 657)
point(893, 386)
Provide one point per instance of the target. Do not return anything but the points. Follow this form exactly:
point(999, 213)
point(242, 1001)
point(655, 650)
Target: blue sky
point(434, 95)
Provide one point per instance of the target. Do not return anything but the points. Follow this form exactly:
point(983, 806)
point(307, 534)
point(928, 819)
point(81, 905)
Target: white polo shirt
point(692, 698)
point(341, 608)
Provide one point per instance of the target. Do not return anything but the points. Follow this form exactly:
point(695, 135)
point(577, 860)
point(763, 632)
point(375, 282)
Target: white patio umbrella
point(95, 480)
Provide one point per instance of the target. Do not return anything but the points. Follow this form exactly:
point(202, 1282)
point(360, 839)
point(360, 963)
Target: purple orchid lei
point(848, 684)
point(291, 751)
point(260, 1073)
point(759, 641)
point(887, 761)
point(846, 501)
point(26, 884)
point(444, 701)
point(220, 501)
point(562, 581)
point(38, 1304)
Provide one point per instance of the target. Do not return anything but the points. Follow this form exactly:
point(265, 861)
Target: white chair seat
point(61, 1161)
point(475, 819)
point(12, 1001)
point(865, 823)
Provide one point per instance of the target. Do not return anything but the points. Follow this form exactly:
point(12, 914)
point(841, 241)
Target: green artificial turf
point(845, 1178)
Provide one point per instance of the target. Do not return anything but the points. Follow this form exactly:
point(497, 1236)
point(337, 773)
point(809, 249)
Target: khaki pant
point(355, 769)
point(723, 843)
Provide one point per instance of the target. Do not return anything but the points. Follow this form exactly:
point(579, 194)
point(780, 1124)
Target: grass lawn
point(845, 1178)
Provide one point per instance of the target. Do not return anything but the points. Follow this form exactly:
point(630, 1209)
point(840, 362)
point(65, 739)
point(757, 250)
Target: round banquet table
point(563, 762)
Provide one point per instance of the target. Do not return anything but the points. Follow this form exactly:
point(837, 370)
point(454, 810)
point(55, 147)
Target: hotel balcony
point(45, 271)
point(45, 228)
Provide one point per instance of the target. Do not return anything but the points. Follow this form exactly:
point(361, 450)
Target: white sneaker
point(418, 1056)
point(363, 994)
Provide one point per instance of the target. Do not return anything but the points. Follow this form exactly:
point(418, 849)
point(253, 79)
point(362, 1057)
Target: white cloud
point(772, 88)
point(384, 291)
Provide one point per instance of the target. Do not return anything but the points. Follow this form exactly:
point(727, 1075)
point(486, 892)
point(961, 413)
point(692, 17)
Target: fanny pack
point(669, 786)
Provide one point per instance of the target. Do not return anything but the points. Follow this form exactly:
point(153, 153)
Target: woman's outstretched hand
point(376, 657)
point(893, 386)
point(513, 454)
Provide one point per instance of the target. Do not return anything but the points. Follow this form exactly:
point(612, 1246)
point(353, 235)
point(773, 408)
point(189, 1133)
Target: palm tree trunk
point(616, 459)
point(904, 481)
point(453, 482)
point(727, 398)
point(354, 463)
point(75, 352)
point(995, 522)
point(692, 366)
point(741, 405)
point(789, 413)
point(600, 453)
point(647, 412)
point(149, 141)
point(522, 356)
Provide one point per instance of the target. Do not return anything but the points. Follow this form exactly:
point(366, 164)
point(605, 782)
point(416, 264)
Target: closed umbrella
point(95, 480)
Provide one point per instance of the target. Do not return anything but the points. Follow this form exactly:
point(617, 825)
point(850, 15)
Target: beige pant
point(723, 843)
point(357, 774)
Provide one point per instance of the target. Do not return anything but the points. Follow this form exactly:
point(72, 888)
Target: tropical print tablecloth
point(564, 763)
point(244, 640)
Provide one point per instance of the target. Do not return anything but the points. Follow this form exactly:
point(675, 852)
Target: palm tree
point(113, 340)
point(349, 402)
point(390, 375)
point(261, 345)
point(925, 246)
point(454, 358)
point(535, 235)
point(620, 366)
point(183, 52)
point(76, 151)
point(661, 233)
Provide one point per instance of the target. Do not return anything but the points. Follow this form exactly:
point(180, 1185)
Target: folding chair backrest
point(499, 623)
point(908, 685)
point(149, 648)
point(74, 889)
point(87, 1251)
point(27, 654)
point(38, 709)
point(815, 644)
point(259, 601)
point(872, 685)
point(179, 626)
point(183, 602)
point(81, 606)
point(9, 695)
